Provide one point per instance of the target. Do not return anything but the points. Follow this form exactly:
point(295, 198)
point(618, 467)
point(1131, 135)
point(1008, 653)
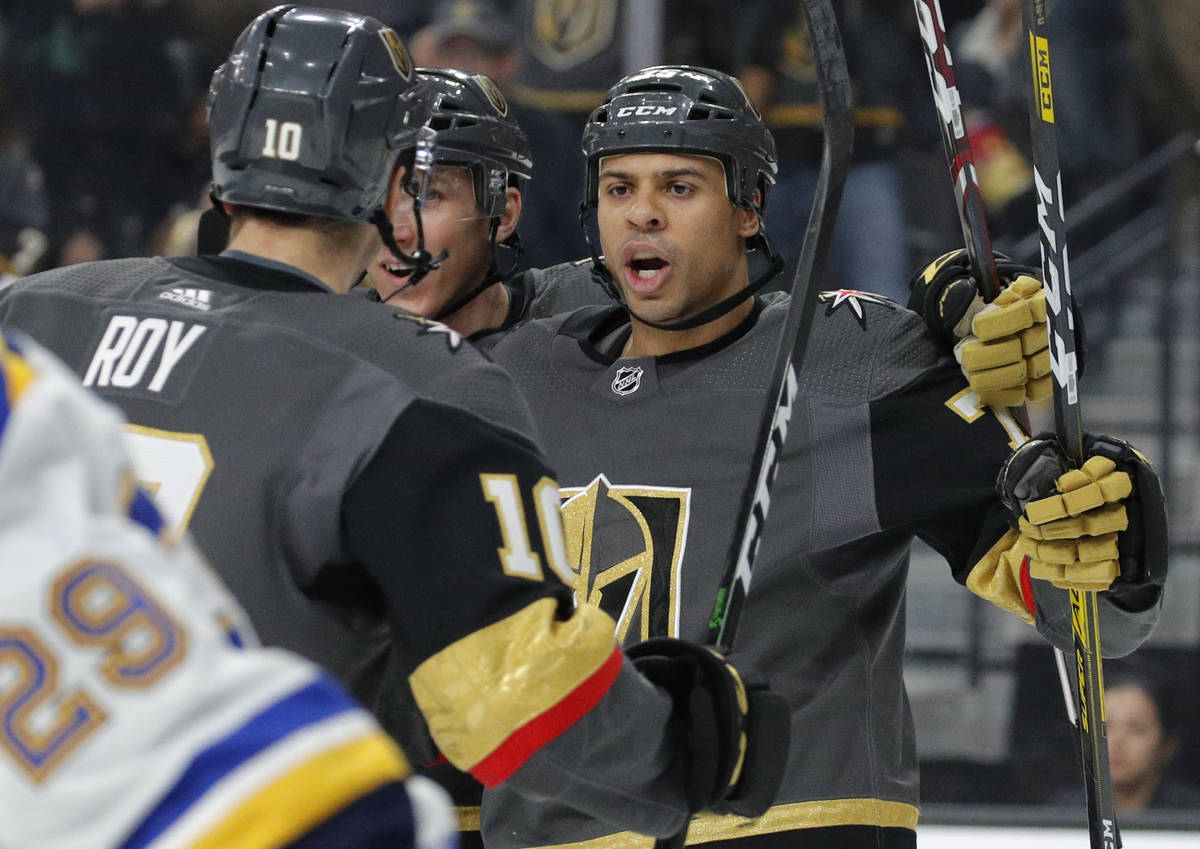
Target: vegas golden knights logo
point(625, 545)
point(398, 52)
point(493, 94)
point(566, 33)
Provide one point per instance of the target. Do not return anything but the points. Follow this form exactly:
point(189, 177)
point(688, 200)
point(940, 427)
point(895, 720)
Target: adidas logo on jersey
point(197, 299)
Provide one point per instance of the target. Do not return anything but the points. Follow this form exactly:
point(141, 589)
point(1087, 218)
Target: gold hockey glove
point(1002, 347)
point(1099, 527)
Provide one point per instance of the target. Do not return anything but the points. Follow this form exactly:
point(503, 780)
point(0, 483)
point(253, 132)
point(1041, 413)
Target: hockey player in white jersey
point(138, 709)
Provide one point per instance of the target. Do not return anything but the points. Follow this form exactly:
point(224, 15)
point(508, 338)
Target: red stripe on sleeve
point(1027, 587)
point(508, 757)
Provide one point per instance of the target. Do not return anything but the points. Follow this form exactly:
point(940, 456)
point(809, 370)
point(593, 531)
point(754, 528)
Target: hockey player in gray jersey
point(367, 486)
point(648, 410)
point(176, 728)
point(481, 165)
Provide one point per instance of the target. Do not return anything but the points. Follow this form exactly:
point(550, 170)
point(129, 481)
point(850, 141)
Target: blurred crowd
point(103, 145)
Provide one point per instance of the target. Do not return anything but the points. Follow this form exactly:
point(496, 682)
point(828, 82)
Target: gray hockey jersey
point(886, 444)
point(367, 486)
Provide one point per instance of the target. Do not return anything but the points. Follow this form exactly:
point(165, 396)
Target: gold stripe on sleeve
point(478, 691)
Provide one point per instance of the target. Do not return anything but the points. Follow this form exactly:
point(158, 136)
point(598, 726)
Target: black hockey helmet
point(305, 115)
point(688, 109)
point(476, 130)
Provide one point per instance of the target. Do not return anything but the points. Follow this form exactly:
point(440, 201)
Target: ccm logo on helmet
point(626, 111)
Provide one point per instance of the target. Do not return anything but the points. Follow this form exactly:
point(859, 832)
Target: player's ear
point(511, 215)
point(748, 221)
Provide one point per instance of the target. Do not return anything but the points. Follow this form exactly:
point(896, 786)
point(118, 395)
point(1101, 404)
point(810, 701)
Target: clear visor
point(451, 189)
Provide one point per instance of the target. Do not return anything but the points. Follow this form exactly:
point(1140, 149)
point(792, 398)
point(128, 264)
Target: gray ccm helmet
point(304, 114)
point(684, 109)
point(476, 130)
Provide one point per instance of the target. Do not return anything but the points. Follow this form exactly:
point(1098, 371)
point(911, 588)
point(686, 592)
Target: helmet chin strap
point(416, 186)
point(421, 260)
point(491, 277)
point(758, 241)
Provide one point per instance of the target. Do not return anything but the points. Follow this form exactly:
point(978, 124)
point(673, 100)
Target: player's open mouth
point(397, 270)
point(645, 270)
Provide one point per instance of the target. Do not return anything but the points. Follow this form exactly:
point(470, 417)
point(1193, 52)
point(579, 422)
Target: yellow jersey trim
point(310, 794)
point(708, 828)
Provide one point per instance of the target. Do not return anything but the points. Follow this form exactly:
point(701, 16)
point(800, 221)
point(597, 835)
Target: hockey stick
point(837, 120)
point(958, 148)
point(1068, 421)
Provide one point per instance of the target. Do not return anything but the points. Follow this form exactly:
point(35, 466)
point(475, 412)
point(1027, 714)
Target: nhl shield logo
point(628, 379)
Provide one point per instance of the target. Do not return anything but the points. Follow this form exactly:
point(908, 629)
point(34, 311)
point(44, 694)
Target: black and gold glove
point(1101, 527)
point(737, 731)
point(1002, 346)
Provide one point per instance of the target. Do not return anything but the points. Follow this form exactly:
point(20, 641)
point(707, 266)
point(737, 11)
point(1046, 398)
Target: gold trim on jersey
point(967, 406)
point(525, 664)
point(184, 481)
point(707, 828)
point(468, 817)
point(311, 794)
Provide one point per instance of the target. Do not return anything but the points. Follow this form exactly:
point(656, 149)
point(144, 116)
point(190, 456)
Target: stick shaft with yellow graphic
point(1087, 677)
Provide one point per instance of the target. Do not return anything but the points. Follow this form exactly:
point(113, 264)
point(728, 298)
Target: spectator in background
point(100, 125)
point(885, 63)
point(24, 209)
point(1143, 739)
point(185, 186)
point(470, 34)
point(1164, 36)
point(1095, 116)
point(990, 59)
point(568, 52)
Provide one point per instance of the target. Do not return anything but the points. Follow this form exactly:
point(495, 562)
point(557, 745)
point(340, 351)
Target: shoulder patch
point(854, 300)
point(428, 325)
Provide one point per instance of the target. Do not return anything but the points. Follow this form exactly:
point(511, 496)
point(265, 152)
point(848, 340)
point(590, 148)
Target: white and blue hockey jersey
point(137, 709)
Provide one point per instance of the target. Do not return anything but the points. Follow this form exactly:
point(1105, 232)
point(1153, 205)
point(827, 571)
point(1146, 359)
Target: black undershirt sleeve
point(936, 471)
point(420, 522)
